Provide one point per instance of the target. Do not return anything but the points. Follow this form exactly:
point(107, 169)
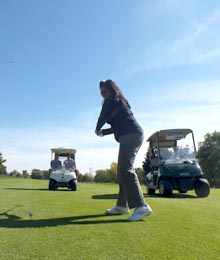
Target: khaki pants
point(130, 193)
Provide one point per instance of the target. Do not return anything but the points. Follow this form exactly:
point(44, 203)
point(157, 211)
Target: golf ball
point(30, 213)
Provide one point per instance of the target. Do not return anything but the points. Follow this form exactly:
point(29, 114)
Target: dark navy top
point(55, 164)
point(118, 114)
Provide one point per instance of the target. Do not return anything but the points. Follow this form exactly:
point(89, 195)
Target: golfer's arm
point(106, 110)
point(107, 131)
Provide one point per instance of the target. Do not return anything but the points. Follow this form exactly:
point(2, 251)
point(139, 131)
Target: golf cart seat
point(153, 157)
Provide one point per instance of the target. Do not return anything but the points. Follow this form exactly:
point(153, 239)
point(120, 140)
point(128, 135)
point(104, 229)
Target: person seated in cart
point(56, 163)
point(69, 163)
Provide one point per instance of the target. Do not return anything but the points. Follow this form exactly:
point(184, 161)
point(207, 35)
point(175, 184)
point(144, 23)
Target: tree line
point(208, 158)
point(108, 175)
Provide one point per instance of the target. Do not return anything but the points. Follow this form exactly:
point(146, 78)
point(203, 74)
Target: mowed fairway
point(72, 225)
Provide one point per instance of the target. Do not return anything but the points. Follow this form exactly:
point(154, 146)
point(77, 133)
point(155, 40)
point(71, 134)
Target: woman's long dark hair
point(115, 91)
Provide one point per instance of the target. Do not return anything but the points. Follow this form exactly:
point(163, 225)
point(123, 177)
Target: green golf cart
point(172, 164)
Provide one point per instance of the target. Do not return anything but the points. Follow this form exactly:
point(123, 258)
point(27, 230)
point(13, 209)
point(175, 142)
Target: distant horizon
point(138, 162)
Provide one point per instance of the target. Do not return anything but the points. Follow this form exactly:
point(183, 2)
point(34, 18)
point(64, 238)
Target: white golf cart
point(63, 172)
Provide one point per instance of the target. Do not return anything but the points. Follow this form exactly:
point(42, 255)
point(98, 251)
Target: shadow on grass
point(37, 189)
point(105, 197)
point(174, 196)
point(11, 216)
point(16, 222)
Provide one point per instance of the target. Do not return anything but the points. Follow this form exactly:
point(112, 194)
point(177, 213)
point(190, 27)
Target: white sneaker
point(140, 212)
point(116, 210)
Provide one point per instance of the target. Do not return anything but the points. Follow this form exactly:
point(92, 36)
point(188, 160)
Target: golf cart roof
point(168, 137)
point(63, 151)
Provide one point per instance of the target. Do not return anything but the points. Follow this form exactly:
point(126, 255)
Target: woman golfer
point(116, 111)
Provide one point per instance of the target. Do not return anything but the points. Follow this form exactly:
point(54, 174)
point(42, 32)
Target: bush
point(102, 176)
point(88, 177)
point(37, 174)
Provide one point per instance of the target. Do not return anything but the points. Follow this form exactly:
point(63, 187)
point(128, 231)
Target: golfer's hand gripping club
point(99, 133)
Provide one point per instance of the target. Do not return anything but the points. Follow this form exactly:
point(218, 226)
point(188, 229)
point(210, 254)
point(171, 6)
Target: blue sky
point(163, 54)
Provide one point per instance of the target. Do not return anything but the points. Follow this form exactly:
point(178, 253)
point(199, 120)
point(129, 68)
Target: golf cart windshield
point(177, 154)
point(173, 145)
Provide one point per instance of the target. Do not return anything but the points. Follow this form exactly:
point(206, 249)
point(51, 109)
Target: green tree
point(141, 175)
point(3, 169)
point(113, 172)
point(102, 176)
point(107, 175)
point(46, 174)
point(110, 175)
point(37, 174)
point(15, 173)
point(209, 158)
point(88, 177)
point(80, 177)
point(146, 164)
point(25, 174)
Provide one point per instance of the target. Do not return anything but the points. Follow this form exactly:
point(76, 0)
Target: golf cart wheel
point(150, 191)
point(163, 190)
point(72, 185)
point(52, 184)
point(202, 188)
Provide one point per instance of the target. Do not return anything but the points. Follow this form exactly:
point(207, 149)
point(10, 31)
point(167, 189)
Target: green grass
point(71, 225)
